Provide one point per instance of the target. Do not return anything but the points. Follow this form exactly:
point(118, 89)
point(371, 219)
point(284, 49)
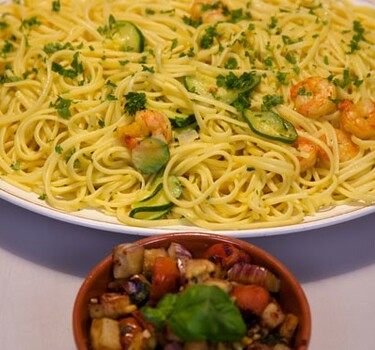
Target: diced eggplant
point(272, 316)
point(105, 334)
point(199, 270)
point(112, 305)
point(288, 327)
point(127, 260)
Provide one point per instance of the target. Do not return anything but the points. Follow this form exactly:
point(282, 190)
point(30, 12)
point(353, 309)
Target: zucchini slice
point(156, 204)
point(150, 155)
point(227, 89)
point(205, 85)
point(270, 125)
point(126, 36)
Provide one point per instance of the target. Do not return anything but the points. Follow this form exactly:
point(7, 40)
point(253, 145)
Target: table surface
point(43, 263)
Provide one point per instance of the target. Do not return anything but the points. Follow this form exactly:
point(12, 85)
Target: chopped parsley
point(62, 107)
point(58, 149)
point(69, 73)
point(208, 38)
point(51, 48)
point(56, 6)
point(357, 37)
point(135, 101)
point(231, 63)
point(28, 23)
point(270, 101)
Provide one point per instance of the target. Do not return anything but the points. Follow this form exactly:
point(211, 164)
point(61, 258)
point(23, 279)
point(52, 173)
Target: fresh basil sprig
point(199, 313)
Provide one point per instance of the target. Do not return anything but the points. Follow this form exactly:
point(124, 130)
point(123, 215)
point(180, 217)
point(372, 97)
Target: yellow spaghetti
point(73, 82)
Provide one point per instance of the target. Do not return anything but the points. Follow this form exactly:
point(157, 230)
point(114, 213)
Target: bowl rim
point(102, 266)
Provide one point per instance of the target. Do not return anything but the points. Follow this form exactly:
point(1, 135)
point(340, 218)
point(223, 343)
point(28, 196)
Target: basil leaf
point(158, 316)
point(206, 313)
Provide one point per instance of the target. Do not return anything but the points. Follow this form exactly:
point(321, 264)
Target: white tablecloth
point(43, 263)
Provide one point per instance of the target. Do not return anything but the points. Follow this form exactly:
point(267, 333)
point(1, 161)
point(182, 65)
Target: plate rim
point(30, 201)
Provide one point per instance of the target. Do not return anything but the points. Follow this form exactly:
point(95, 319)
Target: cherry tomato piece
point(251, 298)
point(226, 255)
point(165, 277)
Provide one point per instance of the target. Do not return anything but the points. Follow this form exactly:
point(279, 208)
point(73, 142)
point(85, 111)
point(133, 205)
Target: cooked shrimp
point(358, 118)
point(309, 153)
point(146, 123)
point(347, 148)
point(207, 10)
point(313, 97)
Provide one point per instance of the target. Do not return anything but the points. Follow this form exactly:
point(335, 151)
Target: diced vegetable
point(254, 274)
point(226, 255)
point(272, 315)
point(178, 251)
point(112, 305)
point(149, 259)
point(270, 125)
point(150, 155)
point(130, 333)
point(199, 270)
point(251, 298)
point(165, 277)
point(138, 288)
point(288, 327)
point(105, 334)
point(127, 260)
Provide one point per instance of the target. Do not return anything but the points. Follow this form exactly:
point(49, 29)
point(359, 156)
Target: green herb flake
point(62, 107)
point(135, 101)
point(56, 6)
point(3, 25)
point(270, 101)
point(30, 22)
point(208, 38)
point(231, 63)
point(59, 149)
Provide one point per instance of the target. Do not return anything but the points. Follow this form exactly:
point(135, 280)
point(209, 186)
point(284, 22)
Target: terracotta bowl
point(291, 296)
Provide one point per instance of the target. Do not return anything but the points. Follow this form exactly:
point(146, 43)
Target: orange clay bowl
point(291, 296)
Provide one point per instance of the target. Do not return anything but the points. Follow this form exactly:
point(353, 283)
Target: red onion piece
point(178, 251)
point(254, 274)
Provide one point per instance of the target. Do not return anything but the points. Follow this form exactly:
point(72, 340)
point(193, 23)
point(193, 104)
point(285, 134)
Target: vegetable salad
point(167, 298)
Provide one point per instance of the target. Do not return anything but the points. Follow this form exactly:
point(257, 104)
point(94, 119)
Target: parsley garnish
point(69, 73)
point(56, 6)
point(231, 63)
point(62, 107)
point(51, 48)
point(58, 149)
point(135, 101)
point(357, 37)
point(28, 23)
point(207, 40)
point(270, 101)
